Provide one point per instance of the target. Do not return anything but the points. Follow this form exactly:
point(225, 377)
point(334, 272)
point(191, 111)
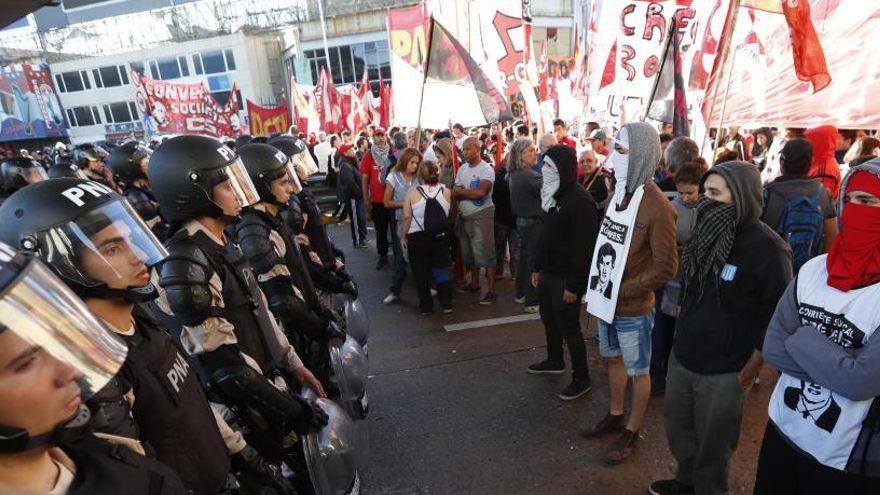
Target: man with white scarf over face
point(636, 254)
point(562, 259)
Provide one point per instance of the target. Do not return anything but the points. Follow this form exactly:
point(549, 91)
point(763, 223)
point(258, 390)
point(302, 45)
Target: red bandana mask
point(854, 257)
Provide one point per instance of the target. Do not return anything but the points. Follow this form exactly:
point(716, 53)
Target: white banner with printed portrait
point(609, 258)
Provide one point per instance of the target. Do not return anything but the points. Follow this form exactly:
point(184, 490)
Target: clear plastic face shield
point(34, 174)
point(336, 453)
point(109, 245)
point(42, 323)
point(239, 183)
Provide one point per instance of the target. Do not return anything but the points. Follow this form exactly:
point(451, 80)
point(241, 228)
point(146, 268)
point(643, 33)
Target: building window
point(347, 63)
point(169, 68)
point(214, 62)
point(219, 83)
point(110, 76)
point(118, 113)
point(70, 82)
point(83, 116)
point(138, 67)
point(222, 97)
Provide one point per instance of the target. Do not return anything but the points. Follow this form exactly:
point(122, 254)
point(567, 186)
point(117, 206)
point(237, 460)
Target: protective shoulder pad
point(142, 203)
point(185, 275)
point(253, 233)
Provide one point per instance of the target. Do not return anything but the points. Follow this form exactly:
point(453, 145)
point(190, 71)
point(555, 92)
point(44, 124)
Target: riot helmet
point(266, 164)
point(20, 171)
point(89, 153)
point(184, 171)
point(127, 162)
point(242, 140)
point(288, 144)
point(88, 234)
point(67, 352)
point(61, 170)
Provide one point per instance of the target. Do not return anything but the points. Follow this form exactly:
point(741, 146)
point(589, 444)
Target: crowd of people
point(703, 287)
point(208, 260)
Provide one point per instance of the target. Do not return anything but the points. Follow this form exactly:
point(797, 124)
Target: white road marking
point(457, 327)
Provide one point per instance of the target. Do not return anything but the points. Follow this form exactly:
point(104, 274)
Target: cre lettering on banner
point(654, 29)
point(613, 231)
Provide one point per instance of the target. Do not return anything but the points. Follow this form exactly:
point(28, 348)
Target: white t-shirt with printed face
point(469, 177)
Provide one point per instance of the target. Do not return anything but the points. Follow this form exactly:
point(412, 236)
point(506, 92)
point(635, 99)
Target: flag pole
point(424, 79)
point(657, 77)
point(724, 105)
point(725, 51)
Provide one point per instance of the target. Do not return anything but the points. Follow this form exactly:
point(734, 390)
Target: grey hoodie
point(744, 182)
point(644, 154)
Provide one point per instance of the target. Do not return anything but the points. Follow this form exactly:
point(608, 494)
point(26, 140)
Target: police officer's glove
point(326, 314)
point(334, 332)
point(256, 469)
point(350, 288)
point(312, 419)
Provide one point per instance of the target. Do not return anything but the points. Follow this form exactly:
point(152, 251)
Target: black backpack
point(435, 216)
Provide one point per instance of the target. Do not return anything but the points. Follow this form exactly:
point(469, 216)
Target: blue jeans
point(399, 264)
point(628, 337)
point(358, 220)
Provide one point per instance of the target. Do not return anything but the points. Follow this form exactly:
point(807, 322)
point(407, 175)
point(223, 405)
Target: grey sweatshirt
point(525, 193)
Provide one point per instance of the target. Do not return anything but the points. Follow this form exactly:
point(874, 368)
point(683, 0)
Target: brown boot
point(622, 448)
point(609, 425)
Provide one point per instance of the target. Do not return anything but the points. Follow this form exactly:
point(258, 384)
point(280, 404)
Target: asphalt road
point(456, 413)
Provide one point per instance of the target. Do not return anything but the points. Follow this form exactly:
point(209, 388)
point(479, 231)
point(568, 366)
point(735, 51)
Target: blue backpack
point(801, 225)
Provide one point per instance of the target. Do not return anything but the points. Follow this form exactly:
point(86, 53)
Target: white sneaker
point(433, 292)
point(520, 300)
point(390, 298)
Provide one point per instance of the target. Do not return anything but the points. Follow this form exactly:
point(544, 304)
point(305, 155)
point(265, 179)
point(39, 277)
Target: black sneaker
point(468, 289)
point(623, 447)
point(609, 425)
point(546, 368)
point(575, 389)
point(670, 487)
point(382, 263)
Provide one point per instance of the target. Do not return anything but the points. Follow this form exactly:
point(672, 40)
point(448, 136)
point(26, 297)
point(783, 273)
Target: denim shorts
point(630, 338)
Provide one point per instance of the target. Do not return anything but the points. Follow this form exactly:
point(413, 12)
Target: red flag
point(303, 111)
point(554, 90)
point(329, 104)
point(543, 75)
point(809, 59)
point(384, 103)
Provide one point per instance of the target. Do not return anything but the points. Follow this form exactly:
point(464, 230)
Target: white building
point(99, 98)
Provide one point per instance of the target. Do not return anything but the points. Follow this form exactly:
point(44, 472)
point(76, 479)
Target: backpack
point(435, 216)
point(801, 225)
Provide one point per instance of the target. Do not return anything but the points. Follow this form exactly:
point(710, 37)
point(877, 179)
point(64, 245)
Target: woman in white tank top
point(427, 240)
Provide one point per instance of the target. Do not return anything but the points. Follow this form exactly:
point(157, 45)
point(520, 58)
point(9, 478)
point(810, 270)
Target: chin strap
point(133, 295)
point(16, 440)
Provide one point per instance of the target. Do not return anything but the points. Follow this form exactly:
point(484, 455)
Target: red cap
point(379, 130)
point(864, 181)
point(344, 148)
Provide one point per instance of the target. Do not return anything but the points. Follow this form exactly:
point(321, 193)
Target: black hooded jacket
point(569, 232)
point(717, 330)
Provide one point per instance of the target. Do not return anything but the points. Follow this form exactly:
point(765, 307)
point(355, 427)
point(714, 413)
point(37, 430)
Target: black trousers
point(381, 217)
point(782, 470)
point(562, 322)
point(429, 260)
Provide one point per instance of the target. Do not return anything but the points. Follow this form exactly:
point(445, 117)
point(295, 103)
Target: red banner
point(265, 121)
point(186, 108)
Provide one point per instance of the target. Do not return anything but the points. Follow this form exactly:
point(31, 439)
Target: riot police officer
point(102, 250)
point(65, 168)
point(211, 293)
point(18, 172)
point(90, 158)
point(54, 353)
point(128, 164)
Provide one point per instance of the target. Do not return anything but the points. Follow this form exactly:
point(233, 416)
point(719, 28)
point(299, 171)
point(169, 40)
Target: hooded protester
point(825, 166)
point(822, 436)
point(636, 255)
point(734, 268)
point(561, 266)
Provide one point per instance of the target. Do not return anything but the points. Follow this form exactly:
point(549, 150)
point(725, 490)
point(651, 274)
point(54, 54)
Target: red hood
point(824, 139)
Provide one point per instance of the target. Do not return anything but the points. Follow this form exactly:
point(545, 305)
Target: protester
point(731, 143)
point(475, 227)
point(323, 153)
point(560, 130)
point(506, 235)
point(403, 177)
point(733, 270)
point(595, 180)
point(373, 170)
point(822, 433)
point(353, 195)
point(525, 202)
point(567, 238)
point(687, 182)
point(624, 276)
point(444, 150)
point(846, 139)
point(597, 140)
point(426, 237)
point(825, 166)
point(798, 207)
point(545, 142)
point(761, 148)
